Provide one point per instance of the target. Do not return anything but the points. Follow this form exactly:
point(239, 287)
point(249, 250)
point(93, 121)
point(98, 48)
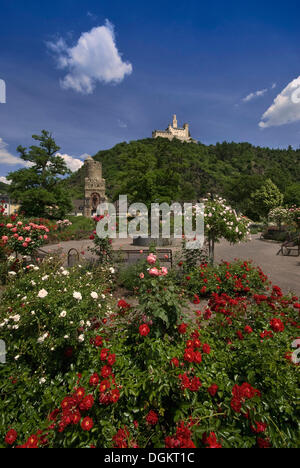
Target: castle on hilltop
point(173, 131)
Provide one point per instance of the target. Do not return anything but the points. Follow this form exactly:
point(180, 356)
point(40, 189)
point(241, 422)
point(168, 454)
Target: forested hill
point(160, 170)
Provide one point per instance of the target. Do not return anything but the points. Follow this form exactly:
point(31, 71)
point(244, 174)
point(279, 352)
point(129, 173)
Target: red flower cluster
point(182, 439)
point(240, 394)
point(211, 440)
point(182, 328)
point(192, 384)
point(277, 325)
point(260, 427)
point(123, 306)
point(152, 418)
point(11, 437)
point(122, 439)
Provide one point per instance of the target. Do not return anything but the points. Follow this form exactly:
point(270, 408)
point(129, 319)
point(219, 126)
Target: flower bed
point(84, 370)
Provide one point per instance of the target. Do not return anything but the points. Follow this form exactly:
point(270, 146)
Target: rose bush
point(150, 376)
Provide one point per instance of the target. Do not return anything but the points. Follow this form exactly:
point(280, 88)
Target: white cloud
point(122, 124)
point(285, 108)
point(74, 164)
point(7, 158)
point(5, 181)
point(254, 95)
point(95, 58)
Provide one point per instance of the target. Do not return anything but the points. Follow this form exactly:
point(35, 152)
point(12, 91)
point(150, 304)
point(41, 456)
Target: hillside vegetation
point(159, 170)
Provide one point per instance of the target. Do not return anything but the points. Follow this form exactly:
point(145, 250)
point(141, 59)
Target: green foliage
point(156, 170)
point(36, 187)
point(292, 195)
point(266, 198)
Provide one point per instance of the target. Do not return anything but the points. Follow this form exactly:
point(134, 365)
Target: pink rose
point(164, 271)
point(142, 276)
point(20, 239)
point(27, 240)
point(25, 245)
point(154, 272)
point(151, 259)
point(5, 239)
point(45, 237)
point(9, 226)
point(14, 229)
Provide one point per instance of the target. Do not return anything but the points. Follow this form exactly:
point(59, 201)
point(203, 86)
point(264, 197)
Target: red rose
point(87, 424)
point(189, 355)
point(87, 403)
point(212, 390)
point(104, 354)
point(277, 325)
point(175, 362)
point(144, 330)
point(115, 395)
point(11, 437)
point(98, 341)
point(106, 371)
point(104, 386)
point(111, 359)
point(206, 348)
point(94, 380)
point(248, 330)
point(236, 405)
point(182, 328)
point(152, 418)
point(195, 384)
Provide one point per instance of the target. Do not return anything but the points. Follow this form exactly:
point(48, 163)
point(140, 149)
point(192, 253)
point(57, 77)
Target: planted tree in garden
point(266, 198)
point(221, 221)
point(280, 216)
point(37, 186)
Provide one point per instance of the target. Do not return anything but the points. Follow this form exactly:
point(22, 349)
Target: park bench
point(290, 246)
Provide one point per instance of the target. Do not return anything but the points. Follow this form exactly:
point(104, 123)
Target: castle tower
point(175, 123)
point(94, 186)
point(186, 128)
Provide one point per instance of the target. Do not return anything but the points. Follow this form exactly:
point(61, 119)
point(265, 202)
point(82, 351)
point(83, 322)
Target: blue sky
point(96, 73)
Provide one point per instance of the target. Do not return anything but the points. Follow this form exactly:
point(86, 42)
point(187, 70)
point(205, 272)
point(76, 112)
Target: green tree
point(266, 198)
point(38, 187)
point(292, 195)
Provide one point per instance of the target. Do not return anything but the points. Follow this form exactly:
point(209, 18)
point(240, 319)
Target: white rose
point(77, 296)
point(42, 294)
point(81, 338)
point(94, 295)
point(63, 314)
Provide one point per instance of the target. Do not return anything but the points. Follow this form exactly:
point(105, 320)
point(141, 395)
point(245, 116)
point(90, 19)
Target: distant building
point(173, 131)
point(10, 206)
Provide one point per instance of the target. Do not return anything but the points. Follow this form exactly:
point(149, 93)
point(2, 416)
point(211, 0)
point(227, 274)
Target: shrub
point(150, 377)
